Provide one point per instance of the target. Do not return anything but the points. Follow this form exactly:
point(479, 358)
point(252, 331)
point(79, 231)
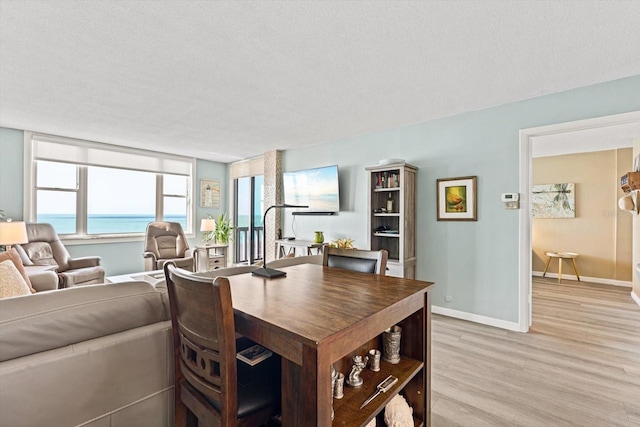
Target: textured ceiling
point(227, 80)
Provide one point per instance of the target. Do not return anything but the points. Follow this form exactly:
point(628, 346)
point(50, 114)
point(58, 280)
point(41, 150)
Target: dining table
point(316, 317)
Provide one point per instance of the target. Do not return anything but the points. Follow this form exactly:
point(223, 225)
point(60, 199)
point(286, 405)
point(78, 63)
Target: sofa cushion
point(53, 319)
point(13, 255)
point(12, 284)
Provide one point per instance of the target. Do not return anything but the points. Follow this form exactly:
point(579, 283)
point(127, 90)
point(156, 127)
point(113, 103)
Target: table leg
point(546, 267)
point(559, 270)
point(575, 268)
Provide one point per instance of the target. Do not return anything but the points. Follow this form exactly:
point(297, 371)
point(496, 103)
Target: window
point(93, 190)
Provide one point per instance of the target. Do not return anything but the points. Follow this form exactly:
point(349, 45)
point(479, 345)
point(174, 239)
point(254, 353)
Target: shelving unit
point(412, 373)
point(393, 230)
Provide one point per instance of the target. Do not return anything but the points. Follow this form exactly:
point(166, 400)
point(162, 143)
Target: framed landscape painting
point(457, 199)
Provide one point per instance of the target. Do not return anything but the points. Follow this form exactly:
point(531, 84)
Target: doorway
point(249, 230)
point(527, 138)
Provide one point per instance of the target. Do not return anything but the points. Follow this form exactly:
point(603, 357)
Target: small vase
point(319, 237)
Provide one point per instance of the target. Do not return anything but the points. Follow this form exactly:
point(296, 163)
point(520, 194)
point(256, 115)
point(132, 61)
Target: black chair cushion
point(354, 264)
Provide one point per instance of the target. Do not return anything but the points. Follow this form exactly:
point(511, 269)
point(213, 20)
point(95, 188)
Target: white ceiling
point(228, 80)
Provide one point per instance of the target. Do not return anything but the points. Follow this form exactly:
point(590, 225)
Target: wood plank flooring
point(578, 366)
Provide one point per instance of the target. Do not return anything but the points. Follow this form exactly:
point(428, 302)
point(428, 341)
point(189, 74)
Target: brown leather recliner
point(45, 248)
point(165, 241)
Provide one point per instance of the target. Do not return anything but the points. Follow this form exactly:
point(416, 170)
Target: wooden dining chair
point(211, 385)
point(356, 259)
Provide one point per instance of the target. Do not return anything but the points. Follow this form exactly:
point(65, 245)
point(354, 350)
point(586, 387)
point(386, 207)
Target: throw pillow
point(12, 283)
point(14, 256)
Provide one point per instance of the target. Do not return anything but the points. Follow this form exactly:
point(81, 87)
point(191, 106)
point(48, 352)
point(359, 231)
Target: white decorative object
point(398, 413)
point(390, 161)
point(372, 423)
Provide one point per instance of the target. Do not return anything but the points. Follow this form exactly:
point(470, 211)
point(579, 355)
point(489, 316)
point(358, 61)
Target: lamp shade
point(13, 233)
point(208, 225)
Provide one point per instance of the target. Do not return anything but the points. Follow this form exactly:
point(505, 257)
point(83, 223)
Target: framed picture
point(209, 193)
point(457, 199)
point(553, 200)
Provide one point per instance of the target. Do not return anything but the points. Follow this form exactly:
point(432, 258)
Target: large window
point(94, 190)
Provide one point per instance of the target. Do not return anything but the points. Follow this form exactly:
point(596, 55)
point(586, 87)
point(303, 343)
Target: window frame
point(81, 236)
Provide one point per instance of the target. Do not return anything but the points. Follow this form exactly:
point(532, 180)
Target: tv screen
point(317, 188)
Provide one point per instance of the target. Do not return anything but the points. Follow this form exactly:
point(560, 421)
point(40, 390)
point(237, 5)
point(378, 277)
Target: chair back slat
point(356, 259)
point(204, 333)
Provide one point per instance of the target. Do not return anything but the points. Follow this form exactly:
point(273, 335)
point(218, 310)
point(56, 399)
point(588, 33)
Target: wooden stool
point(561, 255)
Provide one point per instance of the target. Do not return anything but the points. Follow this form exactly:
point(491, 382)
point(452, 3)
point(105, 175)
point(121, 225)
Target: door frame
point(525, 224)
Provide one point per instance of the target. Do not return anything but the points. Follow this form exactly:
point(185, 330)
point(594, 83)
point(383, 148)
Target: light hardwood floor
point(579, 365)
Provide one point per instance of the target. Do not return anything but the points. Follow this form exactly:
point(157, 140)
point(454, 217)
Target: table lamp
point(270, 273)
point(207, 226)
point(13, 233)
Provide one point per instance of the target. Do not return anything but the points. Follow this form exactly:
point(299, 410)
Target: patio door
point(249, 231)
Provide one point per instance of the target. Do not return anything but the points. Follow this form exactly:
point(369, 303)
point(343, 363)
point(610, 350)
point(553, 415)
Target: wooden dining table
point(317, 316)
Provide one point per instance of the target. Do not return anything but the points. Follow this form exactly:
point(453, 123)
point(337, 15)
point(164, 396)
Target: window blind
point(245, 168)
point(57, 149)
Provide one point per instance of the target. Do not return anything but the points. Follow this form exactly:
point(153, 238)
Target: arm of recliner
point(44, 280)
point(83, 262)
point(150, 261)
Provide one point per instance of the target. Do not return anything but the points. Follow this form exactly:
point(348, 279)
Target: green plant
point(223, 232)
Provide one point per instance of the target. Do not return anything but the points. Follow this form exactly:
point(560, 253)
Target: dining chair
point(356, 259)
point(211, 385)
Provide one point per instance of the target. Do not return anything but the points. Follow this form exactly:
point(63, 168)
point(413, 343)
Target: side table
point(211, 257)
point(561, 255)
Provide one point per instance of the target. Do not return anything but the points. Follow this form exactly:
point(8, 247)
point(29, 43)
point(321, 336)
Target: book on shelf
point(254, 354)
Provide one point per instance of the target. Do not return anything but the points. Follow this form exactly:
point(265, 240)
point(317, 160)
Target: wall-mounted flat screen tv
point(318, 188)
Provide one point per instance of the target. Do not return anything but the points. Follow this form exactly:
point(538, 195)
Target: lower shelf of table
point(347, 410)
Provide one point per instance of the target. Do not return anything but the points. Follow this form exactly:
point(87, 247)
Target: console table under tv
point(318, 316)
point(285, 247)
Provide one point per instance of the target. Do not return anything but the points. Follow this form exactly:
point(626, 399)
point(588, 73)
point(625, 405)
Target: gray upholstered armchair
point(164, 242)
point(45, 248)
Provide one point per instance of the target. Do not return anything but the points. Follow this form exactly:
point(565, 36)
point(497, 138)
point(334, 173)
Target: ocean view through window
point(107, 223)
point(109, 191)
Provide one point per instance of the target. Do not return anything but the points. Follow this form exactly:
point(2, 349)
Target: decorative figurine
point(359, 364)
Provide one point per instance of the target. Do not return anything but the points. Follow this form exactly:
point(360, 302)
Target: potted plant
point(223, 232)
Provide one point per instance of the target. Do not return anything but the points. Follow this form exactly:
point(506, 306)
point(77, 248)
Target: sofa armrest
point(83, 262)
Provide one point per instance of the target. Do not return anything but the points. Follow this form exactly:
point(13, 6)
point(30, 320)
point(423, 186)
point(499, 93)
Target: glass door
point(249, 231)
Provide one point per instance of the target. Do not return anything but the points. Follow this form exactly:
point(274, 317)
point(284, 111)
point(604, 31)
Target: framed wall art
point(553, 200)
point(457, 199)
point(209, 193)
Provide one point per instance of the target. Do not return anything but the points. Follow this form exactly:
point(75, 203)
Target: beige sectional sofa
point(97, 355)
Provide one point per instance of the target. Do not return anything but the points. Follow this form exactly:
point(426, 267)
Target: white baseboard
point(634, 296)
point(587, 279)
point(477, 318)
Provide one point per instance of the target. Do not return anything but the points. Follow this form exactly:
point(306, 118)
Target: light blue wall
point(117, 258)
point(476, 263)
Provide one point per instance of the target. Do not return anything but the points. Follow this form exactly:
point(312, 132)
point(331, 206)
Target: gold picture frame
point(457, 198)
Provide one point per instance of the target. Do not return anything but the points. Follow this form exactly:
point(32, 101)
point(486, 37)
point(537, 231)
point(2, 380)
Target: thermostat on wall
point(510, 200)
